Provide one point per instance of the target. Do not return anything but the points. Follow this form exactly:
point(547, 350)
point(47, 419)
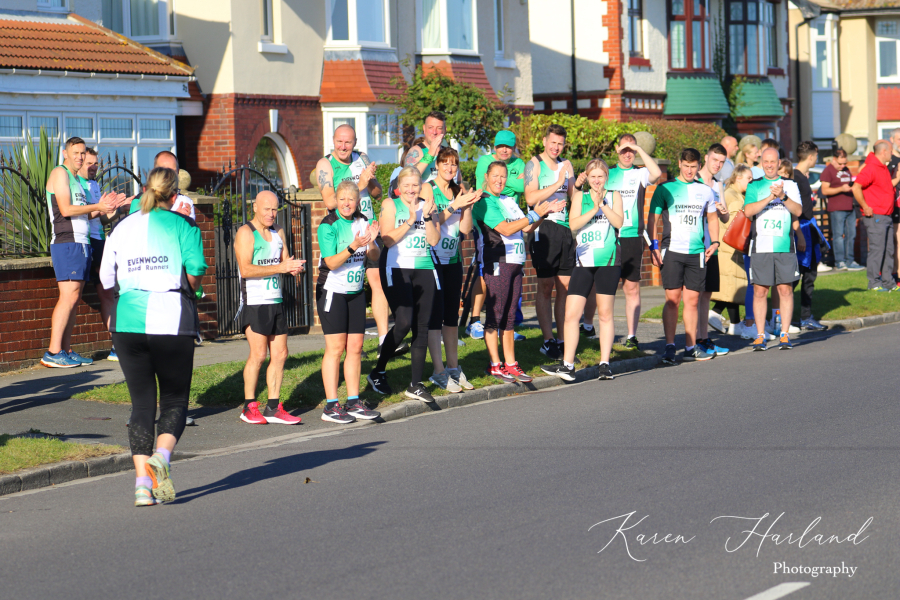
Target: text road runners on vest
point(681, 255)
point(343, 164)
point(631, 182)
point(770, 202)
point(549, 179)
point(70, 248)
point(262, 255)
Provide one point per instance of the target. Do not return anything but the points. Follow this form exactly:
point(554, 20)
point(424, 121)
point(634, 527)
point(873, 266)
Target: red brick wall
point(233, 125)
point(613, 46)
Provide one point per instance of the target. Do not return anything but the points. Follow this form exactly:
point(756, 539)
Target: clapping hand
point(367, 174)
point(581, 179)
point(110, 202)
point(545, 208)
point(293, 266)
point(436, 145)
point(465, 200)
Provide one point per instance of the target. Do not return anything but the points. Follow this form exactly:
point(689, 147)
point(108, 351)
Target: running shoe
point(811, 324)
point(358, 409)
point(749, 332)
point(774, 327)
point(460, 378)
point(443, 381)
point(784, 342)
point(143, 496)
point(112, 355)
point(823, 268)
point(895, 288)
point(280, 416)
point(518, 337)
point(605, 372)
point(475, 331)
point(551, 349)
point(403, 348)
point(841, 266)
point(586, 330)
point(716, 322)
point(60, 360)
point(632, 343)
point(499, 373)
point(417, 391)
point(877, 288)
point(378, 383)
point(759, 344)
point(559, 370)
point(668, 357)
point(593, 338)
point(514, 371)
point(158, 470)
point(336, 414)
point(251, 414)
point(698, 353)
point(189, 422)
point(855, 266)
point(709, 346)
point(79, 358)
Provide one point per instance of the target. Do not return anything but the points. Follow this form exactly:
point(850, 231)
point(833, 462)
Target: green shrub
point(585, 138)
point(674, 136)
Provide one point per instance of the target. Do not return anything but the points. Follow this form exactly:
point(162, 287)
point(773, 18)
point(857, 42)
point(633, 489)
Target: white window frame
point(105, 139)
point(830, 37)
point(878, 40)
point(64, 128)
point(60, 124)
point(12, 113)
point(886, 125)
point(166, 7)
point(360, 113)
point(266, 7)
point(44, 6)
point(352, 31)
point(155, 141)
point(445, 35)
point(499, 41)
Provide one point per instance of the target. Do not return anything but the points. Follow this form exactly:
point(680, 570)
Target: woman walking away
point(455, 219)
point(346, 239)
point(502, 224)
point(598, 267)
point(410, 282)
point(154, 258)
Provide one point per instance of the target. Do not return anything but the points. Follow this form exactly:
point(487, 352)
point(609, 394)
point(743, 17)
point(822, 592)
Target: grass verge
point(842, 295)
point(18, 453)
point(223, 384)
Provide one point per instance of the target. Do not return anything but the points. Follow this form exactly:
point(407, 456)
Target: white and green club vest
point(351, 172)
point(597, 242)
point(263, 290)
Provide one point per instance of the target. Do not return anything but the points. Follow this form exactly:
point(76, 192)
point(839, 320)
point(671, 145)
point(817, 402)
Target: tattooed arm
point(324, 178)
point(534, 195)
point(413, 158)
point(373, 186)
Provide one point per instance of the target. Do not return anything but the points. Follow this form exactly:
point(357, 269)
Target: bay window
point(689, 35)
point(752, 37)
point(887, 42)
point(358, 22)
point(823, 50)
point(635, 27)
point(448, 26)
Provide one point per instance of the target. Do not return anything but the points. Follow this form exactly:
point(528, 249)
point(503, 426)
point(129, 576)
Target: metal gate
point(24, 224)
point(237, 188)
point(114, 175)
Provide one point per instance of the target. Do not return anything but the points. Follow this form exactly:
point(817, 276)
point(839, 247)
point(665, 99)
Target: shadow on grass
point(279, 467)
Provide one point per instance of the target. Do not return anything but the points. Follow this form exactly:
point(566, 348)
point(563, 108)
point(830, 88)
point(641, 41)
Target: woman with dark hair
point(455, 220)
point(502, 224)
point(154, 259)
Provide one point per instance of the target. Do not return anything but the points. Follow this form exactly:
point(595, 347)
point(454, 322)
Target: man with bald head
point(262, 255)
point(344, 164)
point(731, 147)
point(770, 202)
point(874, 191)
point(182, 204)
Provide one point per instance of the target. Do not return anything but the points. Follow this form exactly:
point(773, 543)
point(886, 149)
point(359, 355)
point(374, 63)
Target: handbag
point(738, 233)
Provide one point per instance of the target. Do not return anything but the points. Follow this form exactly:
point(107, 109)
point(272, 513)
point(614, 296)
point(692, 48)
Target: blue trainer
point(112, 355)
point(518, 337)
point(709, 346)
point(475, 331)
point(60, 360)
point(80, 359)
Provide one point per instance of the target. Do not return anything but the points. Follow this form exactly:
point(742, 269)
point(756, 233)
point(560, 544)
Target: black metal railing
point(24, 222)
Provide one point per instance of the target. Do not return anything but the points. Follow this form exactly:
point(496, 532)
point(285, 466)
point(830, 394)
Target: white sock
point(588, 327)
point(686, 349)
point(605, 363)
point(631, 336)
point(568, 365)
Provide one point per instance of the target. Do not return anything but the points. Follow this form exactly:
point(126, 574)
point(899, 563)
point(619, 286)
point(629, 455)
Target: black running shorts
point(683, 270)
point(341, 313)
point(603, 280)
point(632, 252)
point(264, 319)
point(552, 250)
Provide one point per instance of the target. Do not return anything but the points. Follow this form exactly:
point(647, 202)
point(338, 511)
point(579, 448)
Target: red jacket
point(875, 181)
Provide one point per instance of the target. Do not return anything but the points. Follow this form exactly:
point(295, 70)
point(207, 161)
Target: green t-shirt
point(632, 184)
point(597, 241)
point(515, 187)
point(489, 212)
point(683, 207)
point(335, 233)
point(772, 226)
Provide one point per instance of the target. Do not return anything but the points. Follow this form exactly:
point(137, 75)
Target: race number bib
point(272, 290)
point(630, 211)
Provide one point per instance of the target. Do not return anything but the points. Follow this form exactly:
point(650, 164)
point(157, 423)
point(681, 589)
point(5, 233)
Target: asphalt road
point(498, 500)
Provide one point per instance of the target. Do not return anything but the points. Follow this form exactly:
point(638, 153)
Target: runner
point(88, 176)
point(770, 202)
point(712, 164)
point(70, 249)
point(422, 155)
point(154, 259)
point(598, 267)
point(343, 164)
point(183, 204)
point(261, 250)
point(549, 179)
point(455, 219)
point(409, 279)
point(347, 243)
point(682, 255)
point(504, 151)
point(502, 224)
point(631, 182)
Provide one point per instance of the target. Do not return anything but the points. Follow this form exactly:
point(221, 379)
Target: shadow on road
point(41, 392)
point(279, 467)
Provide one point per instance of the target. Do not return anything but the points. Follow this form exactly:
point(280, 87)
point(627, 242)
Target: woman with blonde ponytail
point(154, 259)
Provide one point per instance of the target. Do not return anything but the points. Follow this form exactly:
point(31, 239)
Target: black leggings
point(446, 304)
point(734, 314)
point(410, 294)
point(146, 359)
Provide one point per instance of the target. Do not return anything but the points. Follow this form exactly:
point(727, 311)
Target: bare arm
point(194, 281)
point(576, 223)
point(830, 190)
point(615, 213)
point(654, 172)
point(413, 159)
point(754, 208)
point(243, 251)
point(713, 224)
point(367, 180)
point(325, 179)
point(59, 187)
point(390, 233)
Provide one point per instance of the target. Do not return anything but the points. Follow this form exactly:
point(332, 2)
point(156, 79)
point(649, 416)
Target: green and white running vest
point(772, 226)
point(632, 184)
point(66, 230)
point(548, 177)
point(263, 290)
point(413, 250)
point(447, 250)
point(597, 240)
point(352, 172)
point(335, 233)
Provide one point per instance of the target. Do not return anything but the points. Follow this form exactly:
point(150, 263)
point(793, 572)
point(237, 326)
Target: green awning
point(759, 99)
point(694, 95)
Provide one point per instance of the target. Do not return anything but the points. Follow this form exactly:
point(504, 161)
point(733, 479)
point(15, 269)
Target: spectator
point(895, 179)
point(836, 187)
point(70, 249)
point(809, 254)
point(874, 192)
point(733, 286)
point(731, 147)
point(749, 155)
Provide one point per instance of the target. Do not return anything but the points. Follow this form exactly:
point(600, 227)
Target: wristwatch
point(427, 219)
